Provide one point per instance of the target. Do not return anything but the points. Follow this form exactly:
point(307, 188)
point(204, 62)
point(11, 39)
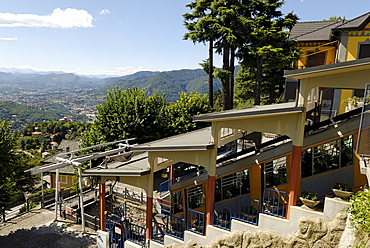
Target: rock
point(174, 245)
point(234, 239)
point(193, 244)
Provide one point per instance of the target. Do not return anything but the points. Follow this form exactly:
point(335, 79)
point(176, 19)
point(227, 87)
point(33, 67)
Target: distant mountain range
point(57, 94)
point(172, 82)
point(40, 81)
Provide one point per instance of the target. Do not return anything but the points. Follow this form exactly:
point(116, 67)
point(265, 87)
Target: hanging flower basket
point(309, 203)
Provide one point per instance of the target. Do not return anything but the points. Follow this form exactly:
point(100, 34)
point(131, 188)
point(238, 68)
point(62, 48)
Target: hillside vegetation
point(20, 115)
point(170, 82)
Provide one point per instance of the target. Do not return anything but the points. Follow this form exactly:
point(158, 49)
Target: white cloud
point(15, 38)
point(68, 18)
point(105, 12)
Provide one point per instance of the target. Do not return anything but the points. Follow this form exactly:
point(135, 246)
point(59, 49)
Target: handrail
point(136, 234)
point(249, 209)
point(274, 202)
point(222, 216)
point(195, 221)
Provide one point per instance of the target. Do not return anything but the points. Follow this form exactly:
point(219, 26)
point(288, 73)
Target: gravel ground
point(37, 228)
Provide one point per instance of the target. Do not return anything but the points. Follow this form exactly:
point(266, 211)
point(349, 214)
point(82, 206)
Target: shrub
point(360, 218)
point(309, 196)
point(342, 186)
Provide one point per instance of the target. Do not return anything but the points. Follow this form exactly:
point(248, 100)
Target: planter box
point(309, 203)
point(342, 194)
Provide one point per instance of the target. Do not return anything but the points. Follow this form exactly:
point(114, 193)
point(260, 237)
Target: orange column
point(210, 199)
point(149, 214)
point(294, 177)
point(102, 205)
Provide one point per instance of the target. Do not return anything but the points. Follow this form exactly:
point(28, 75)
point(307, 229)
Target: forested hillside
point(20, 115)
point(170, 82)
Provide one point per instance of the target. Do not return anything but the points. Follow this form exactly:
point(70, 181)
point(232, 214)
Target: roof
point(137, 166)
point(274, 109)
point(357, 23)
point(313, 31)
point(72, 144)
point(322, 30)
point(315, 71)
point(195, 140)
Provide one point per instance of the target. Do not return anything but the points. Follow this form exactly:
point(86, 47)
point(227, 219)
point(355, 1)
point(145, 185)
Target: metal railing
point(165, 206)
point(222, 216)
point(176, 227)
point(136, 234)
point(195, 221)
point(170, 225)
point(116, 230)
point(158, 232)
point(92, 221)
point(164, 188)
point(247, 210)
point(274, 202)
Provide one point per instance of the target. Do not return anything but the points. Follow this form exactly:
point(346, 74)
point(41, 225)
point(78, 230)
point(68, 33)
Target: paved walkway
point(37, 228)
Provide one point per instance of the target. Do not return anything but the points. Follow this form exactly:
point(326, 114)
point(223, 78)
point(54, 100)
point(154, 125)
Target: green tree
point(359, 217)
point(268, 49)
point(128, 113)
point(180, 119)
point(12, 176)
point(220, 23)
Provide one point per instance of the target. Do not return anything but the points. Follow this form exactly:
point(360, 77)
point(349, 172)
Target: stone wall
point(312, 232)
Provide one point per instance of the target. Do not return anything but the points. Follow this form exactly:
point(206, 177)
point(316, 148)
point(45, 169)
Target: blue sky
point(118, 37)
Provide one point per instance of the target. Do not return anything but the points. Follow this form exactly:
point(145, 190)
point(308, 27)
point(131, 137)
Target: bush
point(46, 191)
point(309, 196)
point(360, 218)
point(26, 208)
point(342, 186)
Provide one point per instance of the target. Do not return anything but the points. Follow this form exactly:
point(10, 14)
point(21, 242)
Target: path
point(37, 228)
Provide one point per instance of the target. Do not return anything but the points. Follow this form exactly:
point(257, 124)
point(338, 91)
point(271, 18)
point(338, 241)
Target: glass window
point(364, 51)
point(232, 185)
point(275, 171)
point(326, 157)
point(195, 196)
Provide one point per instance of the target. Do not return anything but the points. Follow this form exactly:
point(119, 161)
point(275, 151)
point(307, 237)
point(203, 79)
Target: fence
point(274, 202)
point(164, 188)
point(195, 221)
point(136, 234)
point(222, 216)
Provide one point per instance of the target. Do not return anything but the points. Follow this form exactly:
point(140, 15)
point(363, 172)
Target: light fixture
point(164, 174)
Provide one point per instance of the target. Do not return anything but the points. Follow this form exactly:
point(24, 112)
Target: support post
point(102, 205)
point(294, 177)
point(56, 193)
point(42, 191)
point(210, 199)
point(81, 199)
point(149, 215)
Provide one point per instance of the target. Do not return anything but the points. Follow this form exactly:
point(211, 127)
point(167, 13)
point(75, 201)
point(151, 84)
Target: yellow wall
point(343, 96)
point(330, 52)
point(255, 181)
point(355, 37)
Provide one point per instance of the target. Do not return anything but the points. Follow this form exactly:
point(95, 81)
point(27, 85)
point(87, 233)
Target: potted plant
point(342, 190)
point(309, 199)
